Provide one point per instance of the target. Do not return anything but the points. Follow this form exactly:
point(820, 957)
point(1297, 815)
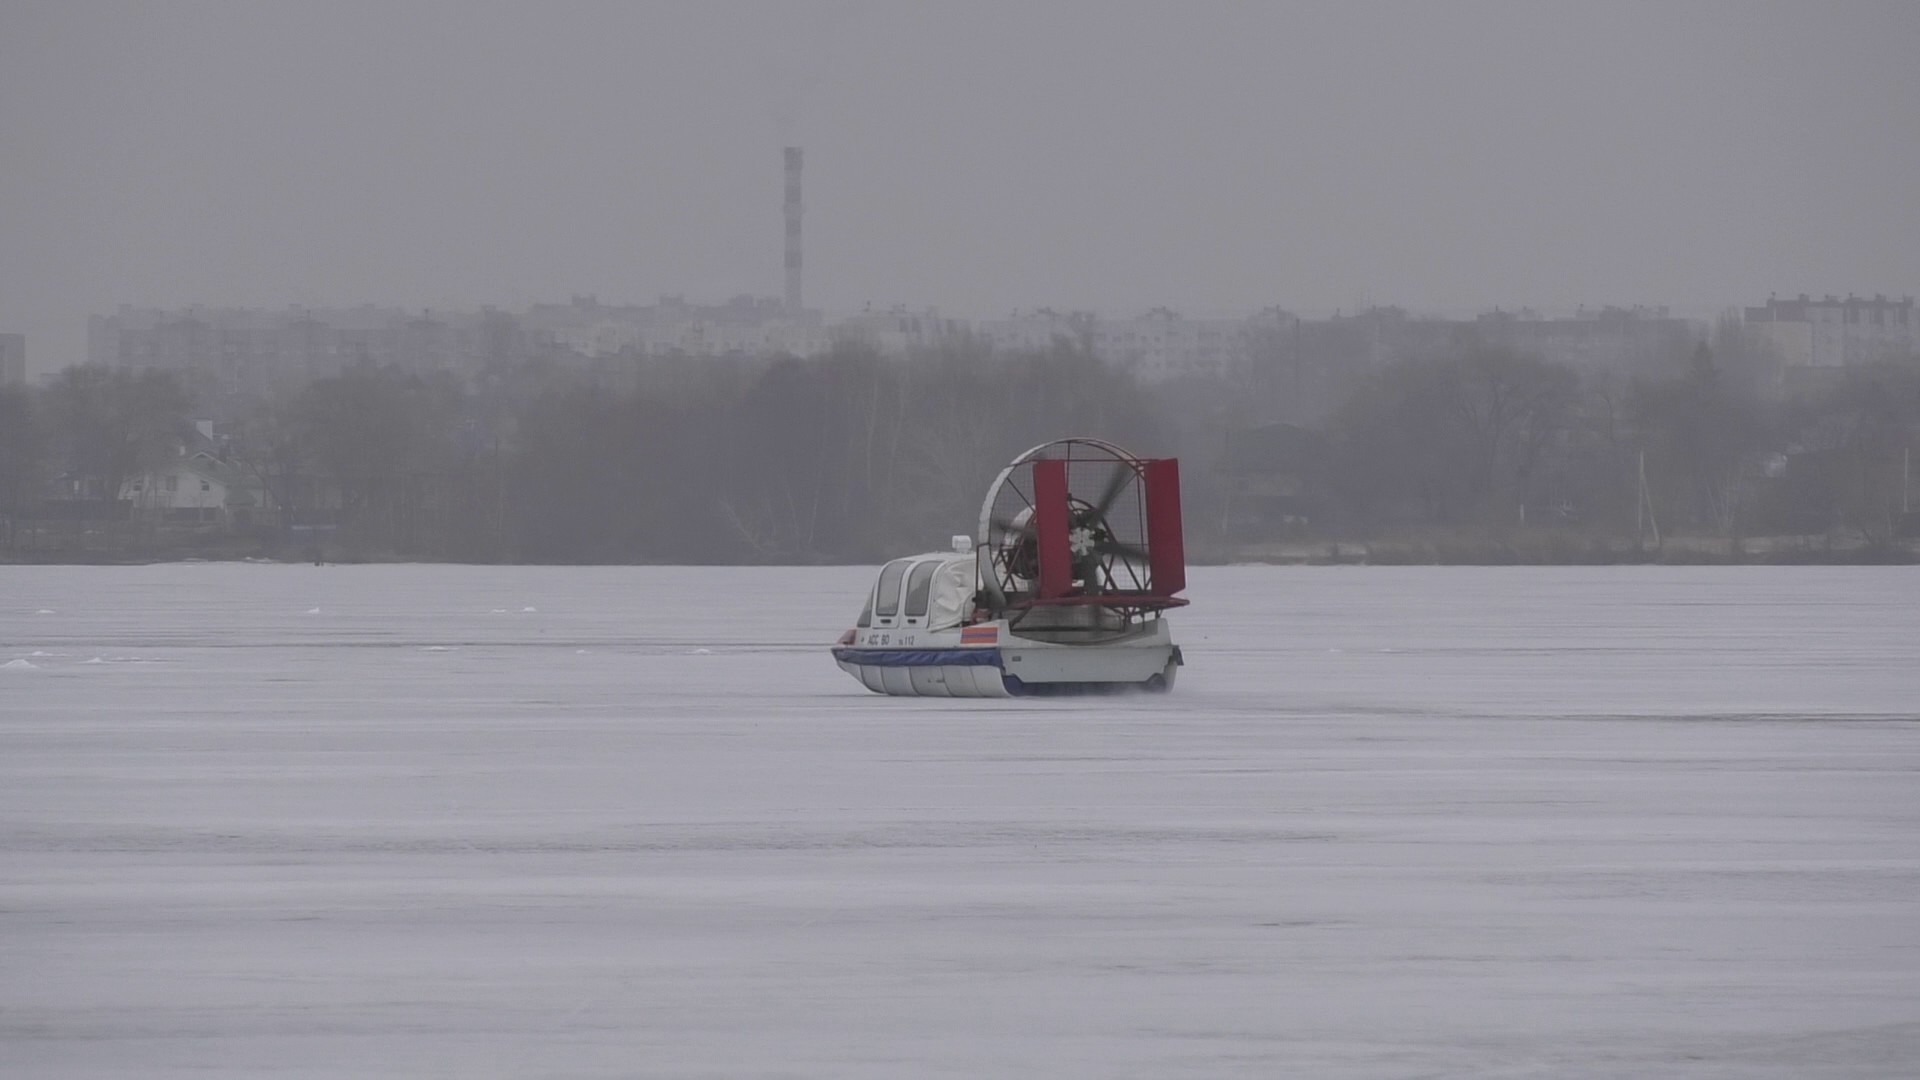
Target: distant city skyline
point(240, 350)
point(976, 158)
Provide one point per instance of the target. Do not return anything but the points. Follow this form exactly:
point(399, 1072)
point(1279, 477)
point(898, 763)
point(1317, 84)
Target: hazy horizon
point(977, 157)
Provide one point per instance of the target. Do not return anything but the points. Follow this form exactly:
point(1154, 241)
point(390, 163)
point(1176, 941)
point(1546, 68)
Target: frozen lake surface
point(516, 822)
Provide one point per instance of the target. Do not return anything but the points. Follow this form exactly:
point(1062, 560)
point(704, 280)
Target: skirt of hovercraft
point(929, 680)
point(979, 680)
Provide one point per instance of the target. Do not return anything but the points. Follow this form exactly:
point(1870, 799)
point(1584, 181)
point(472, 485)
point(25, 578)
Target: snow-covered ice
point(1614, 822)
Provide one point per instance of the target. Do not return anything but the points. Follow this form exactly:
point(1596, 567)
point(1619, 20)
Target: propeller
point(1121, 474)
point(1086, 527)
point(1094, 519)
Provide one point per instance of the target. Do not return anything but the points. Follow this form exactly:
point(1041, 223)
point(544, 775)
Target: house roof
point(208, 467)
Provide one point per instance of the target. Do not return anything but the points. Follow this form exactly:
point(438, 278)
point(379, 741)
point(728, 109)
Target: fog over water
point(411, 820)
point(975, 156)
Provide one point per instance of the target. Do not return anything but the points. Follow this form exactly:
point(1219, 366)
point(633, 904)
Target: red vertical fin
point(1050, 519)
point(1166, 546)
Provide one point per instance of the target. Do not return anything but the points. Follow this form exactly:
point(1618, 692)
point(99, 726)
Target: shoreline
point(1344, 553)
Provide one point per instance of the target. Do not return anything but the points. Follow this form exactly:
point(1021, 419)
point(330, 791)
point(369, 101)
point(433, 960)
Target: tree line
point(852, 456)
point(1492, 438)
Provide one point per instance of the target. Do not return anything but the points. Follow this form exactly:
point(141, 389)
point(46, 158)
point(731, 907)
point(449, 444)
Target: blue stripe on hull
point(919, 657)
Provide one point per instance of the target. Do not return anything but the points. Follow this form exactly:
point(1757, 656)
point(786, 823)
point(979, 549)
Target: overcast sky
point(976, 156)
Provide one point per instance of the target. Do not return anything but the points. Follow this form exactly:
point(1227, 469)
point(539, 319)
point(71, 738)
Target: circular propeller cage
point(1107, 521)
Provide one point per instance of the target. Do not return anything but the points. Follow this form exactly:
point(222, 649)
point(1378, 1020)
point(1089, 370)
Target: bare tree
point(23, 458)
point(114, 424)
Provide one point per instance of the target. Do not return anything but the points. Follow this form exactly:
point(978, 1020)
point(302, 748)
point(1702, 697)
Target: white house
point(193, 487)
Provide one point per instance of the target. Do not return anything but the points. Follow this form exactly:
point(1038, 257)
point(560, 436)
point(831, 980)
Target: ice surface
point(1393, 823)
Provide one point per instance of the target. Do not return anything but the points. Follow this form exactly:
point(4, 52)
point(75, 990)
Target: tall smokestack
point(793, 228)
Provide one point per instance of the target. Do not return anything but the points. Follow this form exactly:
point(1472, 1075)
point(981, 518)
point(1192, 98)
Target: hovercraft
point(1063, 588)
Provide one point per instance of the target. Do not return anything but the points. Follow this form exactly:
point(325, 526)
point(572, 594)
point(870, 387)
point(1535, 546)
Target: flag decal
point(979, 635)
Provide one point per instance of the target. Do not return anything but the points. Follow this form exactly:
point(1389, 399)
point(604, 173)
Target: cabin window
point(173, 483)
point(887, 601)
point(866, 614)
point(204, 486)
point(917, 587)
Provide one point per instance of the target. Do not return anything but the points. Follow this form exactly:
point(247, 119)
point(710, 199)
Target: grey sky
point(977, 156)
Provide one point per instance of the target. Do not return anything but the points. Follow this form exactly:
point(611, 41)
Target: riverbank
point(1573, 549)
point(118, 544)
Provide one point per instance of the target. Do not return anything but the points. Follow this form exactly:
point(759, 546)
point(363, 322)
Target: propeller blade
point(1005, 527)
point(996, 596)
point(1122, 473)
point(1125, 551)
